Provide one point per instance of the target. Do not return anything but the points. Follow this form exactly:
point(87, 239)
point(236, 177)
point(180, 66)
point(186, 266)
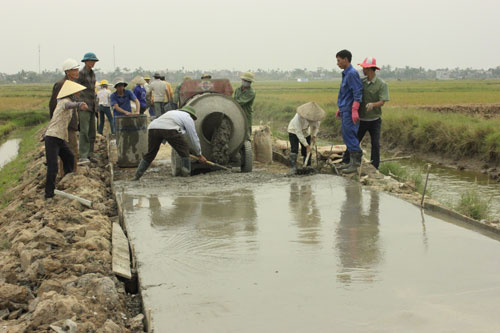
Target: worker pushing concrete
point(170, 127)
point(303, 129)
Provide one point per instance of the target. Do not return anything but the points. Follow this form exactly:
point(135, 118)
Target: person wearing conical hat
point(170, 128)
point(375, 94)
point(303, 129)
point(56, 135)
point(70, 68)
point(245, 96)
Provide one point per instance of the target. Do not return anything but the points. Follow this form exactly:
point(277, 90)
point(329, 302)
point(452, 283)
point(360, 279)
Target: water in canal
point(311, 254)
point(8, 151)
point(448, 184)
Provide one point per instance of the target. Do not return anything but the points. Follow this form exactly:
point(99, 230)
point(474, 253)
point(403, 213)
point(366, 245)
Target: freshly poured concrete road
point(222, 253)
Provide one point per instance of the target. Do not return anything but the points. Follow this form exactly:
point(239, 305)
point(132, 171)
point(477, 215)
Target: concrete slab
point(242, 253)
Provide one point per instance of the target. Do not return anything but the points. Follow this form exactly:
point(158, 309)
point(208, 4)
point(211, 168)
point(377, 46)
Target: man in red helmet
point(375, 94)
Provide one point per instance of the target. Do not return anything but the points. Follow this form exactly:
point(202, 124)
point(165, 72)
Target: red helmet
point(369, 62)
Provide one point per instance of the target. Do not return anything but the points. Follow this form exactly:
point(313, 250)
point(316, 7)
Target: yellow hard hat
point(104, 82)
point(147, 77)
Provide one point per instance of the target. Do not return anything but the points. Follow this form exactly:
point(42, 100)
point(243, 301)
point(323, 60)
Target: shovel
point(305, 170)
point(211, 163)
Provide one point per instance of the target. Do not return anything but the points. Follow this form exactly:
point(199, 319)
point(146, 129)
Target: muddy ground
point(55, 257)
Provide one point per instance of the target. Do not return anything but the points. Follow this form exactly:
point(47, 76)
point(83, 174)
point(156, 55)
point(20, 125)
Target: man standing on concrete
point(170, 127)
point(245, 97)
point(105, 108)
point(159, 92)
point(87, 117)
point(348, 101)
point(375, 94)
point(70, 68)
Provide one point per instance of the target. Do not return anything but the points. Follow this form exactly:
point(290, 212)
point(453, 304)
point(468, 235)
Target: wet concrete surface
point(8, 151)
point(229, 252)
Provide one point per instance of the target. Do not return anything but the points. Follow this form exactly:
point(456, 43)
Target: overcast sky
point(247, 35)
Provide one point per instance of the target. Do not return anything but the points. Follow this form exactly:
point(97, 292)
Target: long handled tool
point(210, 163)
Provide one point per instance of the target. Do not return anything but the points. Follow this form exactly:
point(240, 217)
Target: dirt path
point(55, 262)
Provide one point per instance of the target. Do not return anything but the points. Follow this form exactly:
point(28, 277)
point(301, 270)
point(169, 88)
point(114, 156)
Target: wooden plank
point(120, 253)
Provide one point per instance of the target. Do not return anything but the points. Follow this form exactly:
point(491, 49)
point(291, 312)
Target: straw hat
point(311, 111)
point(190, 110)
point(137, 80)
point(69, 88)
point(147, 77)
point(247, 76)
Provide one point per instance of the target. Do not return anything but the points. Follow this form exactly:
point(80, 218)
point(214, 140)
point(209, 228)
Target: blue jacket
point(351, 88)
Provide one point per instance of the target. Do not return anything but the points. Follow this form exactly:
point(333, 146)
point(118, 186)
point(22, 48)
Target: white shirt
point(180, 121)
point(158, 89)
point(302, 127)
point(103, 96)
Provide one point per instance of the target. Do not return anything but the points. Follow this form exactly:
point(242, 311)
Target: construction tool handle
point(307, 159)
point(209, 162)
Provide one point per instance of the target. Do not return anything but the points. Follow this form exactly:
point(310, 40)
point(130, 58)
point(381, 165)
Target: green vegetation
point(10, 173)
point(402, 174)
point(23, 105)
point(472, 205)
point(4, 244)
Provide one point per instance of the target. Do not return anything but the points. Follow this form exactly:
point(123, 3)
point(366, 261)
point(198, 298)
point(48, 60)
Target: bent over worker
point(348, 101)
point(170, 127)
point(375, 94)
point(56, 136)
point(303, 129)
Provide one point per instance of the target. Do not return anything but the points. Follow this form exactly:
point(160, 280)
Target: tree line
point(302, 74)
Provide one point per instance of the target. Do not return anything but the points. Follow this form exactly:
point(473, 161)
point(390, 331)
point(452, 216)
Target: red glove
point(338, 113)
point(355, 115)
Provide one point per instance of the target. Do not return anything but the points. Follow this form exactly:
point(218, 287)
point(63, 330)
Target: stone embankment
point(55, 256)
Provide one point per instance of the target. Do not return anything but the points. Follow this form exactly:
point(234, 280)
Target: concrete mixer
point(213, 102)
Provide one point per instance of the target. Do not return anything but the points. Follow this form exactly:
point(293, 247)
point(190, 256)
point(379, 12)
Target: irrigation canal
point(8, 151)
point(241, 253)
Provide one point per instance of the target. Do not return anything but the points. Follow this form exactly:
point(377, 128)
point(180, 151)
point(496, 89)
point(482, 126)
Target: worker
point(170, 127)
point(56, 135)
point(121, 98)
point(87, 117)
point(245, 97)
point(375, 94)
point(70, 68)
point(206, 76)
point(169, 96)
point(303, 129)
point(348, 101)
point(104, 97)
point(158, 92)
point(177, 96)
point(140, 93)
point(149, 102)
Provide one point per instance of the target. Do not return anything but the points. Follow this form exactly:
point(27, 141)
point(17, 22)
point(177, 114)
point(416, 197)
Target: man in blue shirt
point(140, 93)
point(349, 99)
point(121, 98)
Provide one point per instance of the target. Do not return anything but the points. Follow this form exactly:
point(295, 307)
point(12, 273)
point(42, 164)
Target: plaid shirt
point(87, 79)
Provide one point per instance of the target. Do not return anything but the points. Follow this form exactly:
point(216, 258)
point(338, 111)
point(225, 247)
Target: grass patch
point(11, 173)
point(473, 205)
point(414, 178)
point(4, 244)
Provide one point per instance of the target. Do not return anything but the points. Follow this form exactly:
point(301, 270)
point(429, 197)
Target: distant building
point(443, 74)
point(302, 79)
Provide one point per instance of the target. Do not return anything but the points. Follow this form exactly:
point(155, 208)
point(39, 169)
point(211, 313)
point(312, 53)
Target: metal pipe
point(425, 185)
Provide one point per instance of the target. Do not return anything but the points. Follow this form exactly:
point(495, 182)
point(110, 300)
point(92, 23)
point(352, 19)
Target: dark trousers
point(374, 128)
point(105, 110)
point(294, 145)
point(143, 109)
point(173, 137)
point(55, 147)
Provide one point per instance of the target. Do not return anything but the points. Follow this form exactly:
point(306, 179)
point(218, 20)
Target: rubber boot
point(186, 167)
point(143, 166)
point(293, 164)
point(355, 162)
point(346, 161)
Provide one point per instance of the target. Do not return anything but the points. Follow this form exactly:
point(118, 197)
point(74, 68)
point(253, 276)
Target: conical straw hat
point(69, 88)
point(311, 111)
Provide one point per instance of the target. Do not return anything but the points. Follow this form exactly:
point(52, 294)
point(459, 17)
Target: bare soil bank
point(55, 257)
point(486, 111)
